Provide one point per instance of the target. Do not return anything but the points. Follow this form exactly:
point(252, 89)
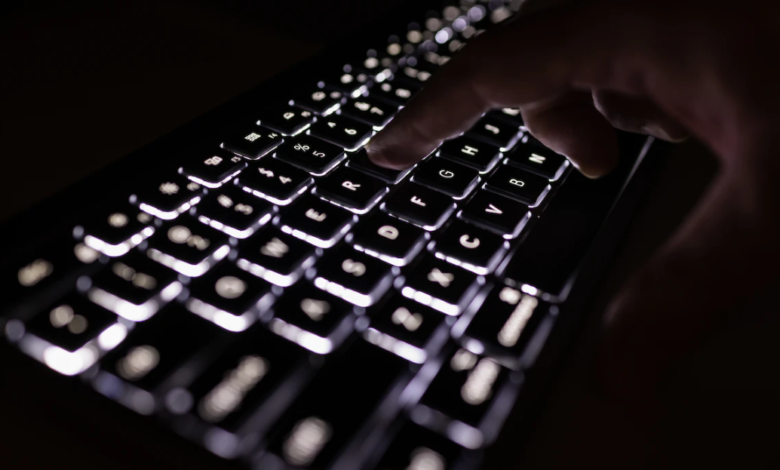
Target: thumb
point(722, 253)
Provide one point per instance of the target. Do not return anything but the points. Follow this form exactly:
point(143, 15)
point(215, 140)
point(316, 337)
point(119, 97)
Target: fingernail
point(661, 133)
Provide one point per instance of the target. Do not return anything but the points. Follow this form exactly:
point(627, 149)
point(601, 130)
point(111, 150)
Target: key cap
point(392, 93)
point(134, 287)
point(470, 247)
point(379, 64)
point(288, 121)
point(519, 185)
point(276, 257)
point(322, 102)
point(118, 230)
point(370, 111)
point(314, 319)
point(230, 297)
point(351, 189)
point(167, 198)
point(413, 324)
point(188, 246)
point(229, 393)
point(253, 142)
point(331, 412)
point(313, 155)
point(234, 211)
point(156, 349)
point(542, 162)
point(389, 239)
point(505, 322)
point(29, 278)
point(468, 389)
point(416, 448)
point(442, 286)
point(471, 152)
point(71, 323)
point(496, 213)
point(353, 276)
point(360, 161)
point(420, 205)
point(351, 83)
point(509, 116)
point(212, 169)
point(495, 132)
point(275, 180)
point(418, 74)
point(318, 222)
point(447, 177)
point(342, 131)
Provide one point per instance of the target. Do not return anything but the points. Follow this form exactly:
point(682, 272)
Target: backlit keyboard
point(280, 300)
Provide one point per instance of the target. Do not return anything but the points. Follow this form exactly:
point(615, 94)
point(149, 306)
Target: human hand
point(667, 69)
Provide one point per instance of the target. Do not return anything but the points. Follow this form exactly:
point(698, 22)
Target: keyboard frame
point(94, 418)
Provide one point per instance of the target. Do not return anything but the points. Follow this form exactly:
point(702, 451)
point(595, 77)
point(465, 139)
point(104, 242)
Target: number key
point(320, 101)
point(342, 131)
point(370, 111)
point(287, 121)
point(234, 211)
point(275, 181)
point(311, 154)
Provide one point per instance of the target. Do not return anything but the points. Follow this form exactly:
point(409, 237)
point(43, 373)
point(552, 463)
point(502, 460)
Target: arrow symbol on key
point(493, 210)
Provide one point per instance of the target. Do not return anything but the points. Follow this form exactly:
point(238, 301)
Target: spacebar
point(550, 255)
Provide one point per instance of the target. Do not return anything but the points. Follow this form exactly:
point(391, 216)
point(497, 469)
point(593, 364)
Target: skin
point(670, 69)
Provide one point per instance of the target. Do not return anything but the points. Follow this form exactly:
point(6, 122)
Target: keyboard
point(255, 285)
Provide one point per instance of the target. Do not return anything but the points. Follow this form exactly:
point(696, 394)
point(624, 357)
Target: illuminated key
point(253, 142)
point(188, 246)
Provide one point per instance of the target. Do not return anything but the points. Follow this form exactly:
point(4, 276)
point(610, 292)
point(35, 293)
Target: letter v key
point(491, 209)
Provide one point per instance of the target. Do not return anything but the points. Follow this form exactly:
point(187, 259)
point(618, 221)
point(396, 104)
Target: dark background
point(85, 82)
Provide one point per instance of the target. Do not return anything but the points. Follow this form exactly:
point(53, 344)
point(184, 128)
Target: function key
point(468, 389)
point(342, 131)
point(396, 94)
point(312, 318)
point(470, 247)
point(496, 213)
point(310, 153)
point(416, 448)
point(360, 161)
point(415, 326)
point(151, 354)
point(117, 231)
point(134, 287)
point(509, 115)
point(471, 152)
point(448, 177)
point(275, 181)
point(318, 222)
point(276, 257)
point(234, 211)
point(351, 189)
point(188, 246)
point(229, 297)
point(287, 121)
point(167, 198)
point(542, 162)
point(495, 132)
point(253, 142)
point(353, 276)
point(505, 323)
point(440, 285)
point(242, 381)
point(389, 239)
point(213, 169)
point(330, 414)
point(519, 185)
point(370, 111)
point(70, 324)
point(420, 205)
point(320, 101)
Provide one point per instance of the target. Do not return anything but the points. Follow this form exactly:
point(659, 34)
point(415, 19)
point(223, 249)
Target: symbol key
point(342, 131)
point(519, 185)
point(351, 189)
point(253, 142)
point(275, 180)
point(311, 154)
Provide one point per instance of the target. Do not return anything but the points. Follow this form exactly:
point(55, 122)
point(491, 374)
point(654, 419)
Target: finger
point(692, 286)
point(512, 66)
point(571, 125)
point(639, 115)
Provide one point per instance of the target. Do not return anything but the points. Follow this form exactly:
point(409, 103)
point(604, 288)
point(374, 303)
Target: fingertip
point(384, 158)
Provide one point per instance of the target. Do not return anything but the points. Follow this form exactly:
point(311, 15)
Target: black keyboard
point(265, 291)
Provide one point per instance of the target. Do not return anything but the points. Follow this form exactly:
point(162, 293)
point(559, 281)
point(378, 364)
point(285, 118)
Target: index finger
point(525, 61)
